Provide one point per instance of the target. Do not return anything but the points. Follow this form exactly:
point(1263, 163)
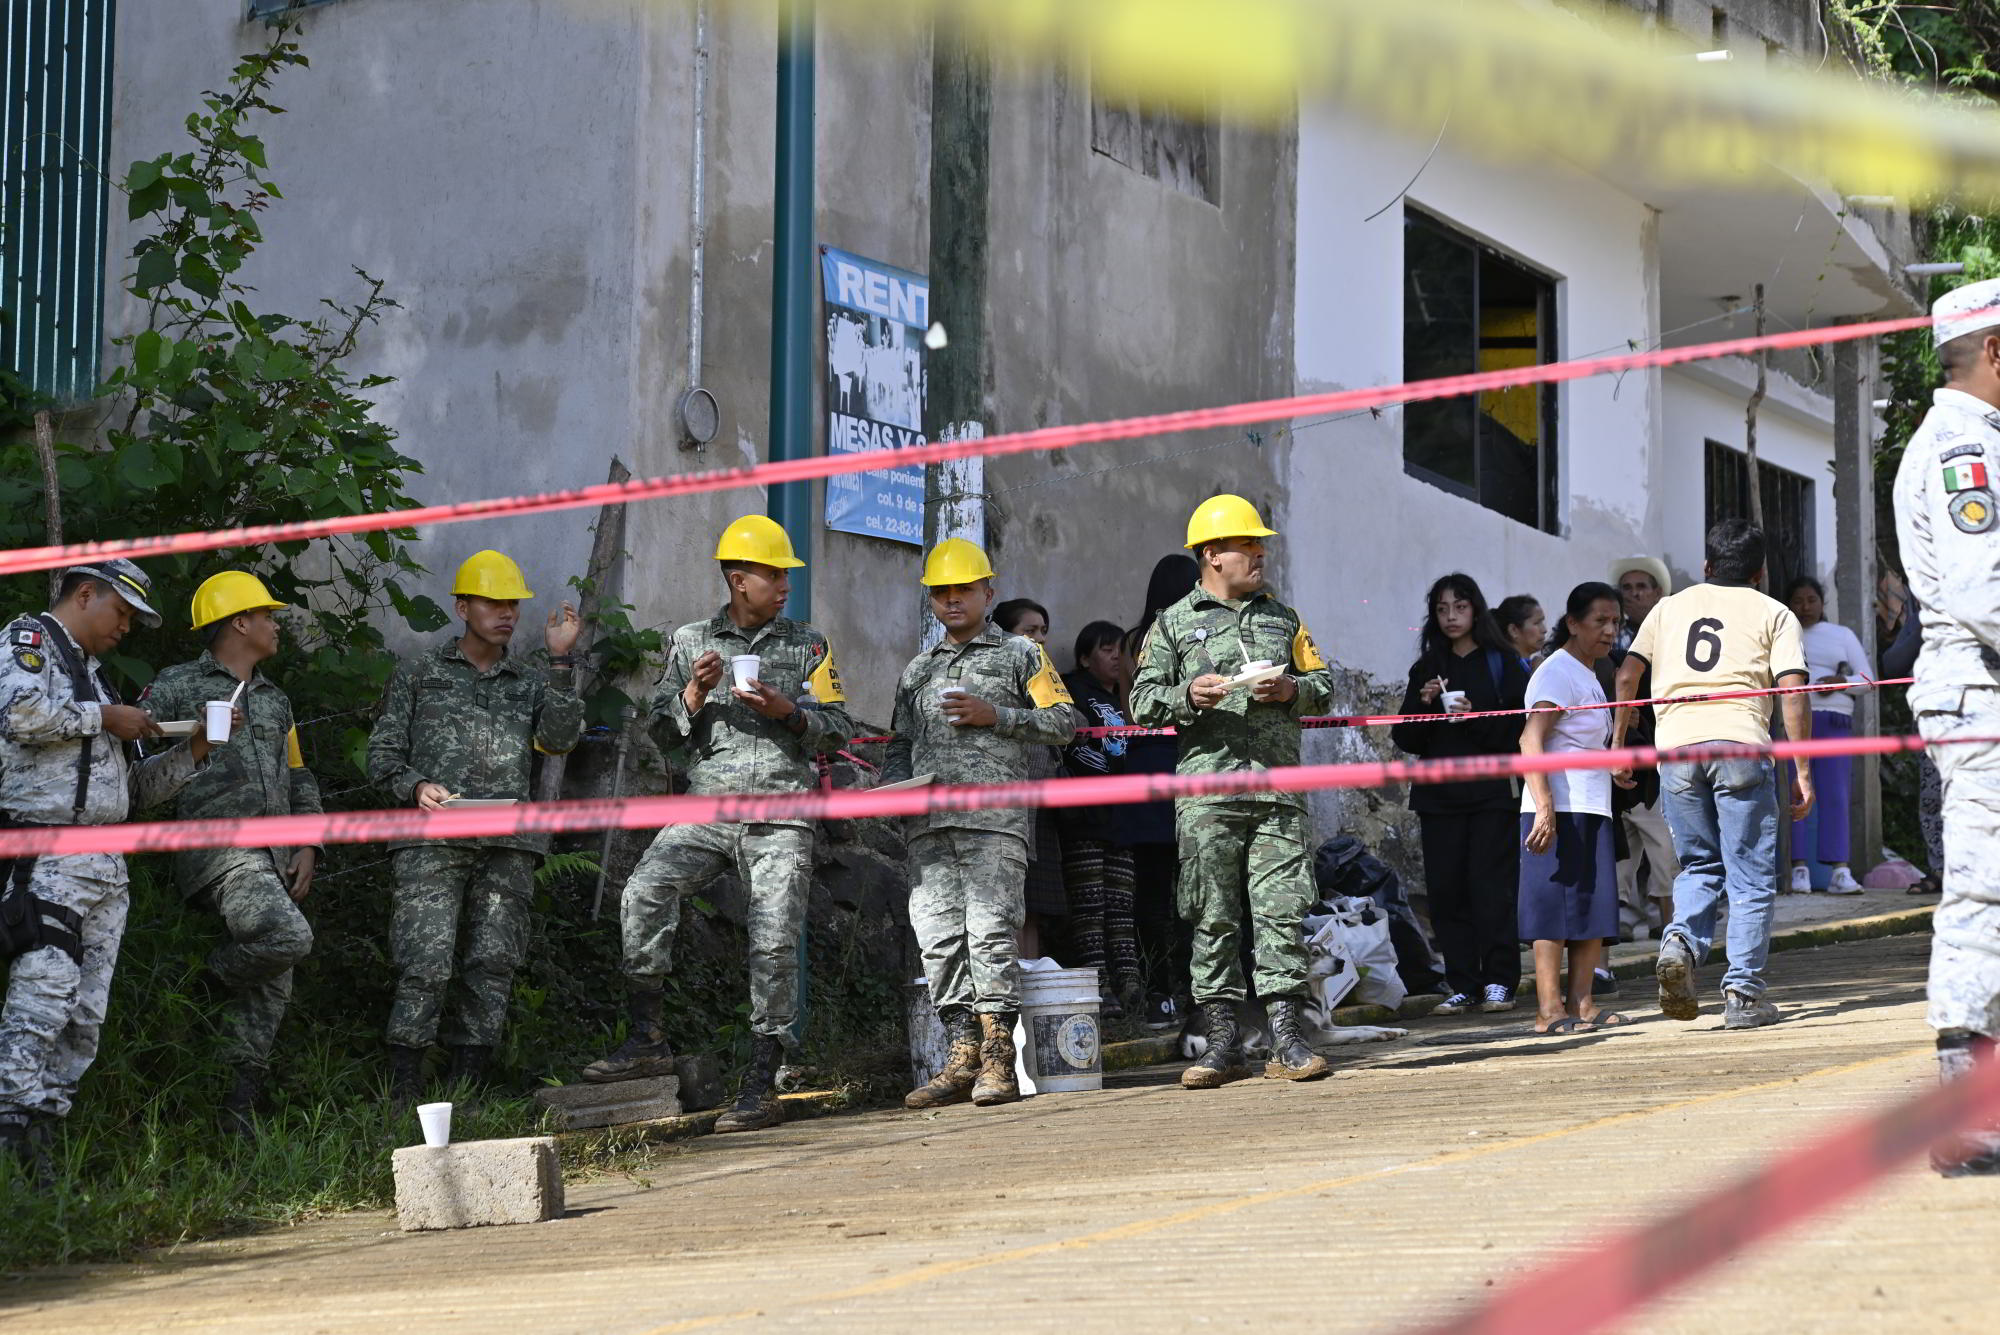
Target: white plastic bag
point(1358, 931)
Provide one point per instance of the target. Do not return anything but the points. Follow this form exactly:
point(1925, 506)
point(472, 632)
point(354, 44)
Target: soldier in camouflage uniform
point(756, 740)
point(1254, 843)
point(260, 771)
point(970, 710)
point(64, 761)
point(465, 720)
point(1948, 526)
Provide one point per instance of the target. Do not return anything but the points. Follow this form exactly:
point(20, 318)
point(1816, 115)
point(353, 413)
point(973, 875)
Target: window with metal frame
point(54, 192)
point(1466, 308)
point(1788, 510)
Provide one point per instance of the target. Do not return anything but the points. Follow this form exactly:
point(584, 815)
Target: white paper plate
point(463, 803)
point(1252, 678)
point(183, 728)
point(920, 781)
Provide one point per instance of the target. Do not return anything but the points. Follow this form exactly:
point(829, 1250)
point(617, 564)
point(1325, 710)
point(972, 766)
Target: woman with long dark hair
point(1166, 943)
point(1096, 868)
point(1569, 878)
point(1471, 850)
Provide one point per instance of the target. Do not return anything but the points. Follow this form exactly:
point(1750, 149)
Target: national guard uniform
point(1252, 844)
point(259, 771)
point(58, 767)
point(731, 748)
point(462, 906)
point(1948, 527)
point(969, 867)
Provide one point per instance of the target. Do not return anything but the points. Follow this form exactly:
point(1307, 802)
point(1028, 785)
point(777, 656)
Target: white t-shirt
point(1563, 680)
point(1827, 647)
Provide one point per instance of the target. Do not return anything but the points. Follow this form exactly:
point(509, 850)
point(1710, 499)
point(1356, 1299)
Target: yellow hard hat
point(1225, 516)
point(956, 561)
point(757, 538)
point(490, 574)
point(231, 593)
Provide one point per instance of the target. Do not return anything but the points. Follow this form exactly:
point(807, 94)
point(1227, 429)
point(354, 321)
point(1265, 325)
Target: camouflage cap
point(130, 582)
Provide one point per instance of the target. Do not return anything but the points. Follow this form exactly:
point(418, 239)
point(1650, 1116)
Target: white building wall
point(1363, 539)
point(1794, 432)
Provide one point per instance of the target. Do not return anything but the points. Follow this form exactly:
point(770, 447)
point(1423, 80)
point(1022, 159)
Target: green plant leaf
point(142, 174)
point(148, 350)
point(156, 270)
point(198, 275)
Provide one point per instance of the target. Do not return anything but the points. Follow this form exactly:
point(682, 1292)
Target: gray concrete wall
point(1114, 294)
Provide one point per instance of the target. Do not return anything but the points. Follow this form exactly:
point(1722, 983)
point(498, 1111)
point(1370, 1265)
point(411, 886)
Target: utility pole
point(1750, 473)
point(792, 272)
point(960, 194)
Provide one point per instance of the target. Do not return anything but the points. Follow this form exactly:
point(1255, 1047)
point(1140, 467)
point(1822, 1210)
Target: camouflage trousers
point(268, 935)
point(54, 1010)
point(1235, 854)
point(966, 908)
point(1965, 941)
point(461, 915)
point(774, 863)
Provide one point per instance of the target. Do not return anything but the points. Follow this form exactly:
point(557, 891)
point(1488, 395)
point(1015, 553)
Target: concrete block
point(701, 1081)
point(478, 1182)
point(585, 1105)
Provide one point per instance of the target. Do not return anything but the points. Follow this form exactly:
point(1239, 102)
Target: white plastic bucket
point(1058, 1036)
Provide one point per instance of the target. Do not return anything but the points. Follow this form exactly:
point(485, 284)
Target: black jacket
point(1490, 679)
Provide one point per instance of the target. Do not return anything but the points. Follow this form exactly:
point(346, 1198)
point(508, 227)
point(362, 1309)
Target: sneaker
point(1843, 883)
point(1160, 1012)
point(1604, 983)
point(1497, 998)
point(1746, 1012)
point(1456, 1004)
point(1675, 970)
point(1801, 883)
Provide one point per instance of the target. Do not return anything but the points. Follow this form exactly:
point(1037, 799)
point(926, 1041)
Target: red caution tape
point(1382, 720)
point(364, 827)
point(1048, 438)
point(1609, 1280)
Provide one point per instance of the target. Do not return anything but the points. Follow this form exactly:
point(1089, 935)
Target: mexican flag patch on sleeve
point(1968, 476)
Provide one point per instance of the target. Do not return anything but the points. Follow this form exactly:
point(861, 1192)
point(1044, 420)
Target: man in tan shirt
point(1722, 635)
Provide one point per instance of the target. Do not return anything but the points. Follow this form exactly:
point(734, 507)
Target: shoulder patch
point(1305, 654)
point(29, 659)
point(1964, 477)
point(825, 680)
point(1973, 448)
point(1971, 511)
point(1046, 687)
point(29, 636)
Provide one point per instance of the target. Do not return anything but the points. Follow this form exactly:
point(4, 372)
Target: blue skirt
point(1570, 893)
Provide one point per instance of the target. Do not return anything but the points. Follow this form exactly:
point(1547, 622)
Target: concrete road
point(1425, 1172)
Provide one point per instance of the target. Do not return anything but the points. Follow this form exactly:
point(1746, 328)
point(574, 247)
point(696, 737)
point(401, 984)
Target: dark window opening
point(1173, 148)
point(1467, 308)
point(1788, 510)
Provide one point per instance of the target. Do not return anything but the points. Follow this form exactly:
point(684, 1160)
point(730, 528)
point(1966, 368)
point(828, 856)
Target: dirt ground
point(1424, 1172)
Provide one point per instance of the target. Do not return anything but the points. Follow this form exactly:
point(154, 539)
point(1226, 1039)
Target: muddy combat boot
point(25, 1140)
point(1974, 1152)
point(406, 1075)
point(644, 1052)
point(954, 1083)
point(1291, 1059)
point(757, 1105)
point(996, 1083)
point(468, 1065)
point(1223, 1061)
point(245, 1085)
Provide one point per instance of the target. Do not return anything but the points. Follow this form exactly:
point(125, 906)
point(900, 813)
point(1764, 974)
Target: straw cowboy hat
point(1652, 565)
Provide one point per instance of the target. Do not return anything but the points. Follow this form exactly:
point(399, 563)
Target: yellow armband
point(1305, 654)
point(1046, 687)
point(294, 758)
point(825, 681)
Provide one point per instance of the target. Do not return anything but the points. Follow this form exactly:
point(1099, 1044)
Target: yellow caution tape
point(1522, 79)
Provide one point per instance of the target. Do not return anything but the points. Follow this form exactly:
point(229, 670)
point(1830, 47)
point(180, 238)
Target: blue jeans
point(1724, 818)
